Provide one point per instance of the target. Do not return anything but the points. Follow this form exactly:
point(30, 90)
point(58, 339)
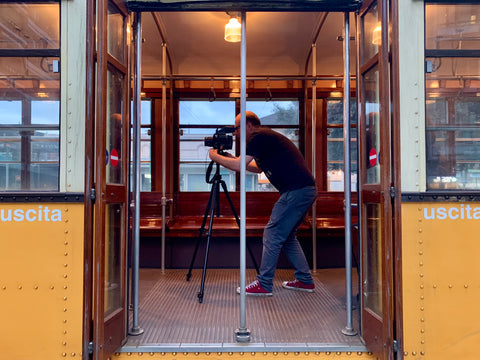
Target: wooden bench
point(186, 213)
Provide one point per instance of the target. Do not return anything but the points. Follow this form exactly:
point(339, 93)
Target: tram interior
point(205, 67)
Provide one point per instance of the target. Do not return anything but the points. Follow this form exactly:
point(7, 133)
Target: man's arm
point(233, 163)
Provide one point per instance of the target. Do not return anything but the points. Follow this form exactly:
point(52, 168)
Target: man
point(284, 166)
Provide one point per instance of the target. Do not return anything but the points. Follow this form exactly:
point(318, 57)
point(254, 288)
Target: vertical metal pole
point(164, 150)
point(136, 330)
point(347, 178)
point(314, 152)
point(242, 333)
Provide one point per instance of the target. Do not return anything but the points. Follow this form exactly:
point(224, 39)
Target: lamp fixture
point(233, 29)
point(377, 35)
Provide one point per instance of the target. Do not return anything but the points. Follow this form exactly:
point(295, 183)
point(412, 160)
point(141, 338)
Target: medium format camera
point(220, 140)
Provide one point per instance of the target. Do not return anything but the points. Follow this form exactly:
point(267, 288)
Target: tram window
point(335, 164)
point(452, 102)
point(145, 146)
point(29, 97)
point(283, 117)
point(199, 119)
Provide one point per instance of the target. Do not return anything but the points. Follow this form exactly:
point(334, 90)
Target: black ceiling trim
point(24, 197)
point(255, 5)
point(441, 196)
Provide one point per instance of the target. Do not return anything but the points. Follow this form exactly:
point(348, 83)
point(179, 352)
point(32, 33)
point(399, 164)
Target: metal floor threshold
point(174, 321)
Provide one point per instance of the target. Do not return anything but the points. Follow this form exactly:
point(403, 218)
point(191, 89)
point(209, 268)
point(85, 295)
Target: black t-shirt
point(279, 159)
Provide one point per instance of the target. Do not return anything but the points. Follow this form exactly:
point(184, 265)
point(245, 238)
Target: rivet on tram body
point(421, 275)
point(64, 354)
point(4, 287)
point(419, 230)
point(414, 353)
point(420, 253)
point(64, 298)
point(421, 286)
point(434, 286)
point(66, 231)
point(422, 342)
point(65, 243)
point(465, 286)
point(450, 286)
point(65, 321)
point(66, 220)
point(65, 287)
point(421, 263)
point(64, 343)
point(422, 308)
point(422, 320)
point(20, 287)
point(422, 352)
point(36, 287)
point(65, 254)
point(422, 330)
point(65, 265)
point(422, 297)
point(73, 354)
point(405, 353)
point(52, 287)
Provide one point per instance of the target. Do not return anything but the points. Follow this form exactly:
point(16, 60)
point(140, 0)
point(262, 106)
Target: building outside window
point(29, 97)
point(452, 96)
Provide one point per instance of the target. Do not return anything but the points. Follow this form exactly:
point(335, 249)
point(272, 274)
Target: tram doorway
point(185, 69)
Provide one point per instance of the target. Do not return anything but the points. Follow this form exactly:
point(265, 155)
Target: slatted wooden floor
point(171, 316)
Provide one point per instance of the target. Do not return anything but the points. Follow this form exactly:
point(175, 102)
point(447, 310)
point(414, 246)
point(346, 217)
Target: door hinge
point(396, 346)
point(92, 195)
point(392, 192)
point(90, 347)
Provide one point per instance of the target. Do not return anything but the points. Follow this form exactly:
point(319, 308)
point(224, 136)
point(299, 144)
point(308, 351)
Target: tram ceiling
point(278, 43)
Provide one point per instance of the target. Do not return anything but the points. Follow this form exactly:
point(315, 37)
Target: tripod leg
point(215, 201)
point(200, 235)
point(225, 190)
point(209, 236)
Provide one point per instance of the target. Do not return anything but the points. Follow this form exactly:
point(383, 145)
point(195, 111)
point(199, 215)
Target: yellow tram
point(107, 109)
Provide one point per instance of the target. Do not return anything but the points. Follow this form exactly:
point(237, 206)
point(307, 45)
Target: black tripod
point(212, 205)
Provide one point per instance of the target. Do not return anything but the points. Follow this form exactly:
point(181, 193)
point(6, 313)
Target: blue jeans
point(280, 232)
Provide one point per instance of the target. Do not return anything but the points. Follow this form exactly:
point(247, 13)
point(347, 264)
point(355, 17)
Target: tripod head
point(217, 175)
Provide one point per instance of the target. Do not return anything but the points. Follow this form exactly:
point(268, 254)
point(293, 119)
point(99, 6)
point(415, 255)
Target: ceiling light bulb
point(233, 30)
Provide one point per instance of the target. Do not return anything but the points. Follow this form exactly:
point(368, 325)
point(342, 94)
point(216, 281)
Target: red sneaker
point(298, 285)
point(255, 289)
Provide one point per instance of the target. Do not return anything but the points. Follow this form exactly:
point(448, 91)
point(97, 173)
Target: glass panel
point(11, 112)
point(279, 112)
point(194, 158)
point(29, 77)
point(32, 26)
point(116, 32)
point(10, 176)
point(371, 30)
point(115, 151)
point(373, 259)
point(219, 113)
point(452, 125)
point(372, 124)
point(452, 26)
point(113, 258)
point(45, 112)
point(44, 177)
point(274, 113)
point(335, 166)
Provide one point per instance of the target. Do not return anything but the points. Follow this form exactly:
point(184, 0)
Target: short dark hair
point(252, 118)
